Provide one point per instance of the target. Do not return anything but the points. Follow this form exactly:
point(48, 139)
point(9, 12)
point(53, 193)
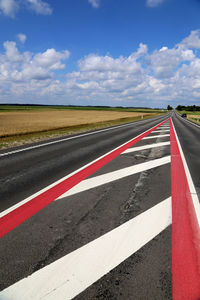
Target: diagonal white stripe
point(134, 149)
point(72, 274)
point(115, 175)
point(155, 136)
point(163, 130)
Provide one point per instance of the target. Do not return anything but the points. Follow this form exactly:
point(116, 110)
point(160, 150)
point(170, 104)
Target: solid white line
point(155, 136)
point(115, 175)
point(193, 191)
point(66, 139)
point(5, 212)
point(73, 273)
point(134, 149)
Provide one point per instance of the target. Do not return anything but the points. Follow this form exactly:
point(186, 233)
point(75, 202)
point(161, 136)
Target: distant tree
point(179, 107)
point(169, 107)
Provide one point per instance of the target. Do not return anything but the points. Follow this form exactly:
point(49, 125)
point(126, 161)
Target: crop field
point(193, 116)
point(26, 124)
point(23, 122)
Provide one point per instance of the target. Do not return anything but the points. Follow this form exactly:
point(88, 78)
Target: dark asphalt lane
point(189, 137)
point(25, 173)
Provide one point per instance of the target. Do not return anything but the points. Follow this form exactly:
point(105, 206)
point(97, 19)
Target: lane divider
point(21, 213)
point(185, 229)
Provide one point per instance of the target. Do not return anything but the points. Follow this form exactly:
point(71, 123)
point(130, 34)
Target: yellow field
point(22, 122)
point(194, 118)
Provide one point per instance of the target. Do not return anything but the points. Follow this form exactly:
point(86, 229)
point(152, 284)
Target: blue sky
point(100, 52)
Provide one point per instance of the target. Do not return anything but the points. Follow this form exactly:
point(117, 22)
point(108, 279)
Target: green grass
point(188, 112)
point(10, 108)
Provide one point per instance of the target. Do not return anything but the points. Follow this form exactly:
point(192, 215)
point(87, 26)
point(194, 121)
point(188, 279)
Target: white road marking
point(115, 175)
point(193, 191)
point(134, 149)
point(5, 212)
point(163, 130)
point(66, 139)
point(73, 273)
point(155, 136)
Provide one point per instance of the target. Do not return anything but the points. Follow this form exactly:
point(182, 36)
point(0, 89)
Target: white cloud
point(51, 59)
point(21, 37)
point(9, 7)
point(40, 7)
point(94, 3)
point(11, 52)
point(165, 61)
point(192, 41)
point(154, 3)
point(143, 78)
point(26, 66)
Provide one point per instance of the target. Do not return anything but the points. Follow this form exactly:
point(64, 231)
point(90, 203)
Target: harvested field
point(195, 118)
point(25, 122)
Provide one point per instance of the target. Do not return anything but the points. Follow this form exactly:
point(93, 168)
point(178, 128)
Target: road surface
point(89, 216)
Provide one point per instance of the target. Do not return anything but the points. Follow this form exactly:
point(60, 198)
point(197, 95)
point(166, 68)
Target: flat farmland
point(194, 117)
point(25, 122)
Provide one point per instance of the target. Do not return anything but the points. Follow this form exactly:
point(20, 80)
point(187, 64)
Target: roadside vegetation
point(192, 112)
point(25, 124)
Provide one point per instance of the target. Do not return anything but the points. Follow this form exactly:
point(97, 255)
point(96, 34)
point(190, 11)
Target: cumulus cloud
point(21, 37)
point(192, 41)
point(94, 3)
point(143, 78)
point(22, 67)
point(154, 3)
point(40, 7)
point(11, 7)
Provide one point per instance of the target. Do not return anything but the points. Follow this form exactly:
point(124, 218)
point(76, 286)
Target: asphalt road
point(25, 173)
point(75, 220)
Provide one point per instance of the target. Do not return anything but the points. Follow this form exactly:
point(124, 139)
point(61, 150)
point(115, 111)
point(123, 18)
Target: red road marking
point(185, 231)
point(27, 210)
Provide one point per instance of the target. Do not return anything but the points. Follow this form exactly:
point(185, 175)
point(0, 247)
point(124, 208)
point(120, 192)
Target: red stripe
point(185, 231)
point(25, 211)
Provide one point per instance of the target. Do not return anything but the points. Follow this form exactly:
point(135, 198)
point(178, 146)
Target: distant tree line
point(188, 108)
